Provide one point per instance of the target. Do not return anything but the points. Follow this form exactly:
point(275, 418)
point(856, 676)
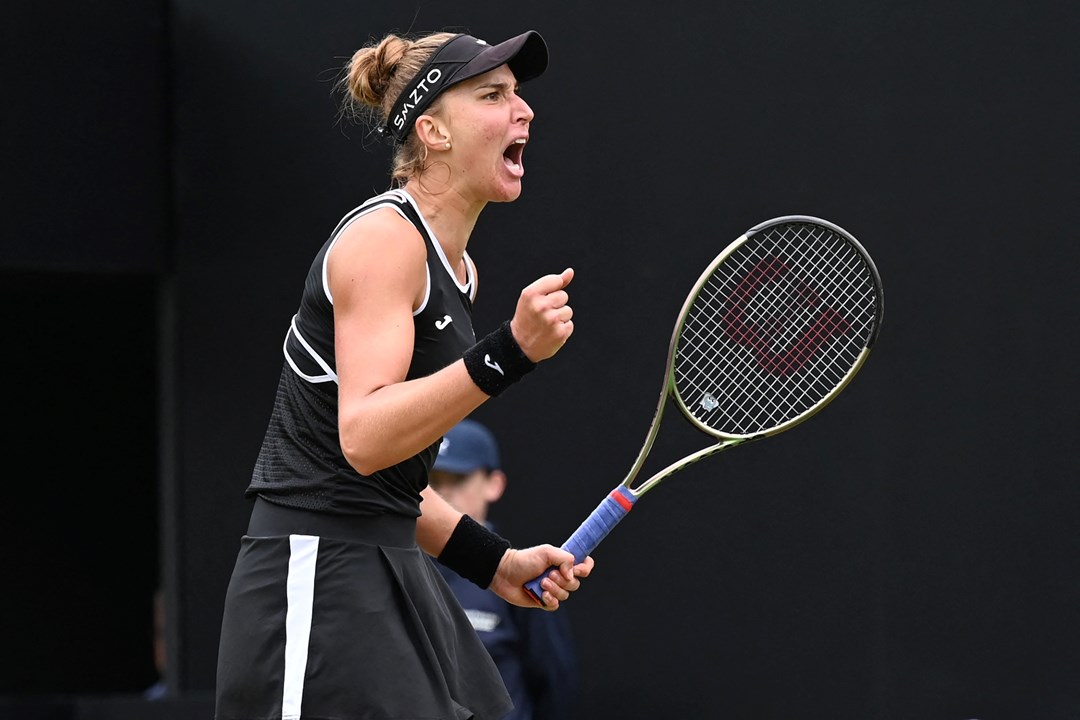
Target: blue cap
point(466, 447)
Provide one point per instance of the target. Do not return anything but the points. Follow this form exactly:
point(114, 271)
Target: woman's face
point(488, 124)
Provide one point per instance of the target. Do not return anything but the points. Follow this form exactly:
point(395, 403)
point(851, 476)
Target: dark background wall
point(170, 170)
point(85, 178)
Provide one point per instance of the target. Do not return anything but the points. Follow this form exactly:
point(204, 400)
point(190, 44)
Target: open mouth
point(512, 156)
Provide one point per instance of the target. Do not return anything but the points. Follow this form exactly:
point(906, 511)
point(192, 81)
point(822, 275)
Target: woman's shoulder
point(382, 249)
point(383, 229)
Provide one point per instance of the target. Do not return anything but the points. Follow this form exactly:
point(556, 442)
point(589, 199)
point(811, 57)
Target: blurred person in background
point(534, 651)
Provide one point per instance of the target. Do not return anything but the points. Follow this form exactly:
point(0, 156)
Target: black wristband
point(474, 552)
point(497, 362)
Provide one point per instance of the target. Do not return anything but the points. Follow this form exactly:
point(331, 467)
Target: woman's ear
point(495, 485)
point(432, 133)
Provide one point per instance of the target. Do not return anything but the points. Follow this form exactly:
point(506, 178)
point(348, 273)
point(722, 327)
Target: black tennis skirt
point(345, 618)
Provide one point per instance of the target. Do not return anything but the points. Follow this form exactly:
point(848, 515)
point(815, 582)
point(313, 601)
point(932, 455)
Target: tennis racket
point(774, 329)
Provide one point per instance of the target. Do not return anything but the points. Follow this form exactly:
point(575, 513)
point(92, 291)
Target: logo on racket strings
point(760, 332)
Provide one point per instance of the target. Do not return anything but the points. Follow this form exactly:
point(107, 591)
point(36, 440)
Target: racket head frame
point(669, 389)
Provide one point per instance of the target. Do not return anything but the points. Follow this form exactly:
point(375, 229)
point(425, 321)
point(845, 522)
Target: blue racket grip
point(607, 515)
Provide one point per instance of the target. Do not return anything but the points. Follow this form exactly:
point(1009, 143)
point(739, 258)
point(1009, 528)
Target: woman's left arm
point(437, 522)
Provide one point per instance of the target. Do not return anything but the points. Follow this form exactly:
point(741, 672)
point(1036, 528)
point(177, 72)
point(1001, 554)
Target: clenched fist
point(543, 322)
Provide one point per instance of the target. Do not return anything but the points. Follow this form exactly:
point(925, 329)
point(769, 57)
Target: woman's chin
point(507, 192)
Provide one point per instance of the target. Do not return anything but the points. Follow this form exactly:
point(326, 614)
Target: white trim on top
point(330, 375)
point(346, 222)
point(467, 286)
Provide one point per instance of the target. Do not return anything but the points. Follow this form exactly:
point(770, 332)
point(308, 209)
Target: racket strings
point(774, 329)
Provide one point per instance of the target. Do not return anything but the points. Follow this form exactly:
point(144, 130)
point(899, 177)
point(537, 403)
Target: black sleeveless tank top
point(300, 463)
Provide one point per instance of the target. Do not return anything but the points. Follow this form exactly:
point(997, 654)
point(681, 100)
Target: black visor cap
point(525, 54)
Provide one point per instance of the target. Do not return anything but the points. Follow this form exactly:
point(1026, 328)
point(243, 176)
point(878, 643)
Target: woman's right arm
point(377, 276)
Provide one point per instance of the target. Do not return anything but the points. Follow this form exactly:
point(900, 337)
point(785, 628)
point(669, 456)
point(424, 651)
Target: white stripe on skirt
point(300, 590)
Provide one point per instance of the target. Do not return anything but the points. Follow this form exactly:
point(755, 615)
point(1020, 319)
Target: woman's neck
point(449, 215)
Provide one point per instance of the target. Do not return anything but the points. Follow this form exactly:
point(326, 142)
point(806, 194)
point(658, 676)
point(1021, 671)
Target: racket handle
point(607, 515)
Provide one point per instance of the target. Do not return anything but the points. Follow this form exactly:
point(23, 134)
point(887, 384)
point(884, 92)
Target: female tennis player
point(333, 611)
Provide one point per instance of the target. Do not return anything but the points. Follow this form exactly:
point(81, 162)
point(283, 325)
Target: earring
point(447, 144)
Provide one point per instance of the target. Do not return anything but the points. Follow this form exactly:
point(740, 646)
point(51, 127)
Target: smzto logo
point(427, 84)
point(761, 328)
point(441, 324)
